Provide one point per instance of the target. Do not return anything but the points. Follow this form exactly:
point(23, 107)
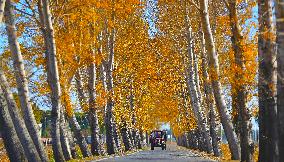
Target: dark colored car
point(158, 138)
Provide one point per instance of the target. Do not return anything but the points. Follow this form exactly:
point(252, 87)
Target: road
point(172, 154)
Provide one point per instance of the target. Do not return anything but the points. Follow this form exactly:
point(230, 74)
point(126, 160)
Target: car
point(158, 138)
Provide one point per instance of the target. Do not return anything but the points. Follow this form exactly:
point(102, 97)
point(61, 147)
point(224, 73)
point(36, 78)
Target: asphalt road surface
point(172, 154)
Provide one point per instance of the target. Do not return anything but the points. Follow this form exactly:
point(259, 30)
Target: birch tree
point(2, 6)
point(216, 85)
point(52, 76)
point(64, 137)
point(109, 86)
point(268, 131)
point(196, 103)
point(22, 83)
point(29, 148)
point(93, 116)
point(238, 43)
point(73, 121)
point(280, 71)
point(209, 98)
point(11, 141)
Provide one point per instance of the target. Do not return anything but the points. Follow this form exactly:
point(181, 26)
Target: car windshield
point(157, 134)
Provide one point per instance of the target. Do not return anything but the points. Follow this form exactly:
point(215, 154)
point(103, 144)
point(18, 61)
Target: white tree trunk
point(237, 43)
point(214, 76)
point(80, 90)
point(93, 115)
point(2, 6)
point(73, 121)
point(22, 83)
point(79, 136)
point(11, 141)
point(195, 100)
point(109, 86)
point(22, 132)
point(52, 77)
point(209, 99)
point(280, 82)
point(64, 137)
point(267, 80)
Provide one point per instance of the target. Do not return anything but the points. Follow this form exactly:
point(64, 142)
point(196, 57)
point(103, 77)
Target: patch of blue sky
point(3, 38)
point(151, 17)
point(254, 19)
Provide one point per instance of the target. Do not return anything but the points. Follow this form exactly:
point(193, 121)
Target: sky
point(150, 15)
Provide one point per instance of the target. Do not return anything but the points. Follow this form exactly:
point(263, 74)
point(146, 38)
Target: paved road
point(172, 154)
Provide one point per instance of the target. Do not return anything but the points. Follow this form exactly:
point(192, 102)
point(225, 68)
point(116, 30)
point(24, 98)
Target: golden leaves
point(67, 103)
point(101, 95)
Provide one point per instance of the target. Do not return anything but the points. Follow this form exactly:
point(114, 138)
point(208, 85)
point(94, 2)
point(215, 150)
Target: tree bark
point(116, 137)
point(64, 137)
point(73, 121)
point(52, 77)
point(280, 69)
point(22, 83)
point(142, 138)
point(72, 145)
point(133, 118)
point(267, 80)
point(2, 6)
point(192, 88)
point(109, 107)
point(125, 137)
point(214, 76)
point(138, 138)
point(237, 43)
point(79, 136)
point(11, 141)
point(147, 138)
point(209, 99)
point(22, 132)
point(80, 90)
point(93, 116)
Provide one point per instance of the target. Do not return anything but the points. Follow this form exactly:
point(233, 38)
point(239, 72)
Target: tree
point(22, 83)
point(93, 116)
point(73, 121)
point(52, 76)
point(29, 148)
point(280, 72)
point(11, 141)
point(2, 6)
point(214, 76)
point(268, 130)
point(240, 90)
point(192, 86)
point(109, 86)
point(209, 98)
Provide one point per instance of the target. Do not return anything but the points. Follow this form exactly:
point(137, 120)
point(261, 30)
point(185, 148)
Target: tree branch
point(2, 6)
point(226, 4)
point(195, 5)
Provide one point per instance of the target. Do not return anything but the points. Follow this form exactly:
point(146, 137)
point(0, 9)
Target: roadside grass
point(4, 157)
point(3, 154)
point(226, 154)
